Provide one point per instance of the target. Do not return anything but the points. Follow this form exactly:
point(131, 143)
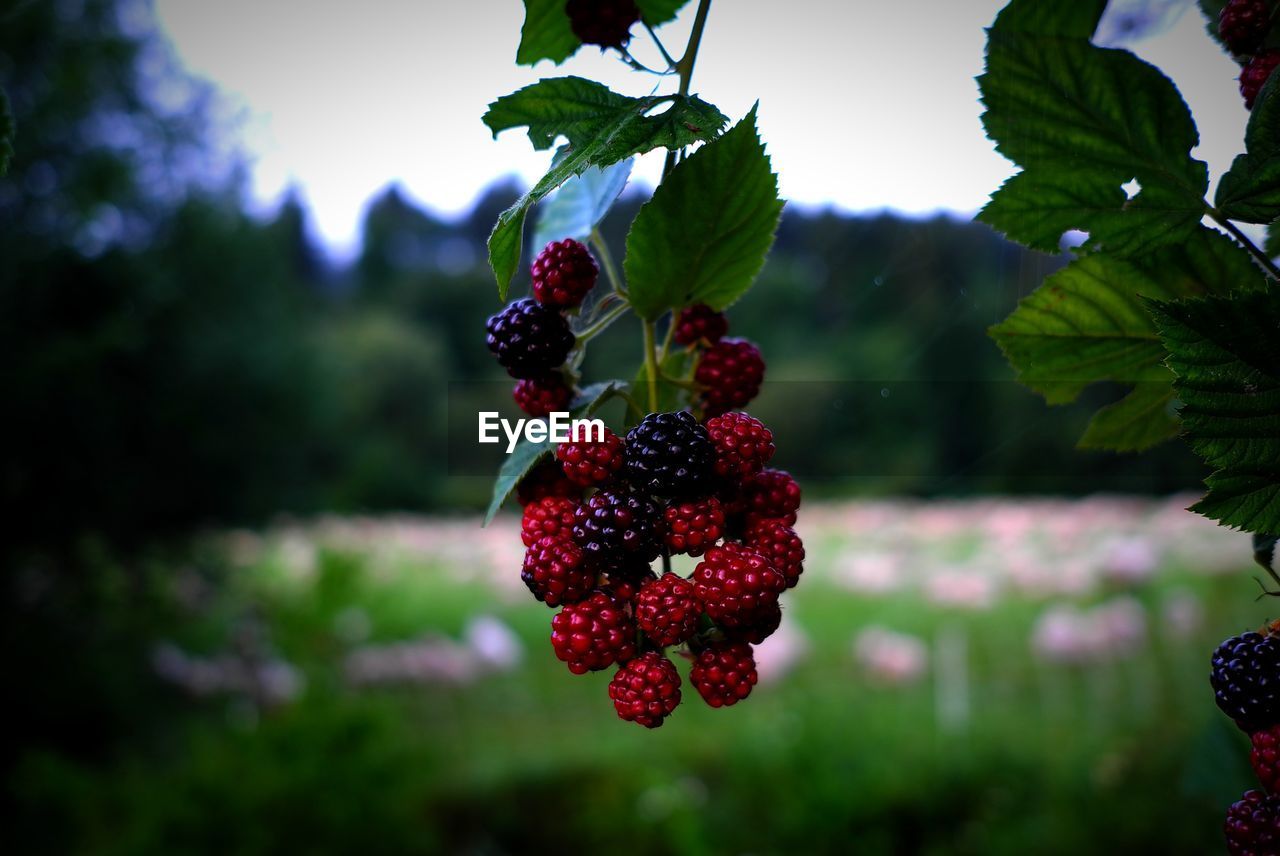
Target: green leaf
point(581, 203)
point(1226, 356)
point(655, 12)
point(1212, 10)
point(1272, 247)
point(704, 235)
point(546, 33)
point(1250, 190)
point(1140, 420)
point(6, 133)
point(602, 127)
point(1082, 122)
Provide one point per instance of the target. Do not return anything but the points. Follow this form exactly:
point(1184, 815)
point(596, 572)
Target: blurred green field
point(386, 686)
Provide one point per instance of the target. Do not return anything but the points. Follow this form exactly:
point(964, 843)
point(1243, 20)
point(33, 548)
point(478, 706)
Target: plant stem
point(671, 63)
point(685, 68)
point(608, 318)
point(606, 261)
point(651, 365)
point(1267, 264)
point(666, 340)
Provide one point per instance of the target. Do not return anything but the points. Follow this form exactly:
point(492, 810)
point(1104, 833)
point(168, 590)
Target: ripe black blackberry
point(540, 397)
point(563, 273)
point(1244, 24)
point(1252, 827)
point(529, 339)
point(699, 323)
point(1246, 680)
point(723, 673)
point(617, 521)
point(593, 634)
point(646, 689)
point(670, 454)
point(1255, 75)
point(556, 572)
point(606, 23)
point(667, 610)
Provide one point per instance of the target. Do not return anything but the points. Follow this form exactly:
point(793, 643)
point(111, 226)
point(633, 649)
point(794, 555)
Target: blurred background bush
point(199, 662)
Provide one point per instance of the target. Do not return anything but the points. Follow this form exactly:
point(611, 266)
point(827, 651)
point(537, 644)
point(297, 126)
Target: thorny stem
point(651, 365)
point(685, 68)
point(1267, 264)
point(671, 63)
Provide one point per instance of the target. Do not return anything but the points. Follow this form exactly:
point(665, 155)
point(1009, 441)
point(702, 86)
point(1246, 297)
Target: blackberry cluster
point(1246, 27)
point(606, 23)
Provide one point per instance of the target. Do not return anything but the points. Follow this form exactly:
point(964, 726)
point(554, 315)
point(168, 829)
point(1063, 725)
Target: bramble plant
point(1185, 314)
point(688, 474)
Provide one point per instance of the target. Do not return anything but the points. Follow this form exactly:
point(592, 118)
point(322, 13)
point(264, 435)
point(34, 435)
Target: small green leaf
point(546, 33)
point(704, 235)
point(6, 133)
point(1142, 419)
point(655, 12)
point(1226, 356)
point(581, 203)
point(1250, 190)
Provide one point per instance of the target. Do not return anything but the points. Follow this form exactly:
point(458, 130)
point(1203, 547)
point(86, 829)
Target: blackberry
point(693, 525)
point(547, 478)
point(556, 572)
point(625, 575)
point(551, 515)
point(743, 445)
point(563, 273)
point(723, 673)
point(780, 544)
point(591, 463)
point(606, 23)
point(771, 494)
point(670, 454)
point(699, 323)
point(760, 628)
point(1255, 75)
point(730, 374)
point(667, 610)
point(1246, 680)
point(529, 339)
point(646, 689)
point(593, 634)
point(1252, 827)
point(539, 397)
point(615, 522)
point(737, 586)
point(1243, 25)
point(1265, 757)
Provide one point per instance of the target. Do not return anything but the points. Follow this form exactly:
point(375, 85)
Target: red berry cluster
point(597, 515)
point(1245, 26)
point(729, 371)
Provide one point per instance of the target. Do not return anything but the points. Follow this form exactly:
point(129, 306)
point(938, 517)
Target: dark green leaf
point(1212, 10)
point(1250, 190)
point(704, 235)
point(1140, 420)
point(546, 33)
point(581, 203)
point(6, 133)
point(655, 12)
point(1068, 18)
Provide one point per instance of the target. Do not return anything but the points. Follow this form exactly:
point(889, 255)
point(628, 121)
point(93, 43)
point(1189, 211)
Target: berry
point(700, 323)
point(556, 572)
point(546, 478)
point(1254, 75)
point(529, 339)
point(624, 575)
point(737, 586)
point(551, 515)
point(589, 462)
point(1265, 757)
point(693, 526)
point(618, 521)
point(1246, 680)
point(1243, 25)
point(760, 628)
point(670, 454)
point(743, 445)
point(724, 673)
point(771, 494)
point(593, 634)
point(1253, 825)
point(667, 610)
point(646, 689)
point(563, 273)
point(606, 23)
point(540, 397)
point(730, 373)
point(780, 544)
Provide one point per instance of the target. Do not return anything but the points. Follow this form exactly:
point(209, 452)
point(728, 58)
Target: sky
point(863, 105)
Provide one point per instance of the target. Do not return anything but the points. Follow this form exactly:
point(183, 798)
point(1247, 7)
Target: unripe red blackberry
point(1245, 676)
point(730, 374)
point(1255, 75)
point(615, 522)
point(1265, 757)
point(546, 478)
point(542, 396)
point(670, 454)
point(700, 323)
point(551, 515)
point(1243, 25)
point(646, 689)
point(606, 23)
point(1252, 827)
point(593, 634)
point(771, 494)
point(737, 586)
point(760, 628)
point(591, 463)
point(723, 673)
point(563, 273)
point(624, 575)
point(529, 339)
point(556, 572)
point(693, 525)
point(743, 445)
point(667, 610)
point(780, 544)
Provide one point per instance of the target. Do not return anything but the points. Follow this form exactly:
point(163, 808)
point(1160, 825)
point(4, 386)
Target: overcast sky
point(863, 105)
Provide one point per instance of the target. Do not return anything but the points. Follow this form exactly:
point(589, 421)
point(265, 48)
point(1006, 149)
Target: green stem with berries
point(651, 365)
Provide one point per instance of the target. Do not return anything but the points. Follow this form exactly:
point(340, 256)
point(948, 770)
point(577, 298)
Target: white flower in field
point(963, 588)
point(493, 642)
point(1065, 634)
point(1121, 625)
point(891, 657)
point(1062, 634)
point(781, 652)
point(1130, 560)
point(1182, 614)
point(869, 573)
